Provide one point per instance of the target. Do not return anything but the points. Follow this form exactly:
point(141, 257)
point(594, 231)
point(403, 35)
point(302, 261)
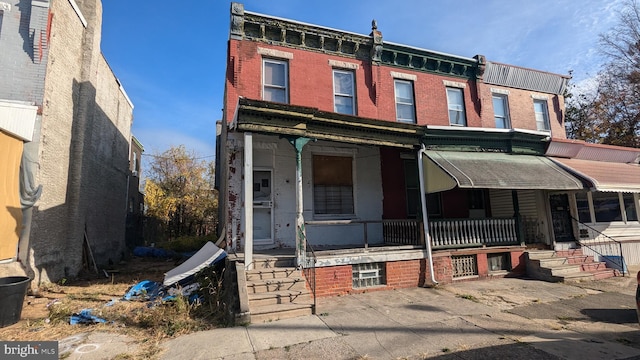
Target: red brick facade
point(375, 89)
point(337, 280)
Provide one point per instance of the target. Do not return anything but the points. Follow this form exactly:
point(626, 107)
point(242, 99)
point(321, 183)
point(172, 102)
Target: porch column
point(516, 215)
point(301, 233)
point(248, 200)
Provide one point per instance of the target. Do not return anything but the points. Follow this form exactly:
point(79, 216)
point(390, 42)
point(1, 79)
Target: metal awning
point(445, 170)
point(604, 175)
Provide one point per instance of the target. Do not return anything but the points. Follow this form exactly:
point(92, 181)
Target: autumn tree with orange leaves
point(179, 193)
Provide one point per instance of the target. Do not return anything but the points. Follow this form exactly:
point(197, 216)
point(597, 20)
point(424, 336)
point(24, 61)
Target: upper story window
point(405, 106)
point(275, 78)
point(455, 99)
point(344, 94)
point(542, 115)
point(501, 111)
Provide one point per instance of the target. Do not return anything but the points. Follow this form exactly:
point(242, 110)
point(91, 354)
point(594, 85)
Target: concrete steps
point(276, 290)
point(566, 266)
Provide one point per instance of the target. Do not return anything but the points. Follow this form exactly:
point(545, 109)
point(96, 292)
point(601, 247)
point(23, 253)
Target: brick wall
point(333, 280)
point(521, 113)
point(375, 89)
point(405, 274)
point(83, 150)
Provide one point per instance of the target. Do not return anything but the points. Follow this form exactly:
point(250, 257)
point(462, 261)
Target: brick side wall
point(84, 150)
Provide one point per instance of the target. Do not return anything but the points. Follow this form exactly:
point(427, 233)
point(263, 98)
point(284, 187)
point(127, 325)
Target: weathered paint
point(301, 237)
point(248, 200)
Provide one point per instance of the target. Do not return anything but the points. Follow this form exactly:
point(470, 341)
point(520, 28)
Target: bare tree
point(611, 115)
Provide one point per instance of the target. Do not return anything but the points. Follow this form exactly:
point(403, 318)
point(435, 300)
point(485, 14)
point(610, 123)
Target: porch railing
point(607, 248)
point(309, 269)
point(445, 233)
point(456, 233)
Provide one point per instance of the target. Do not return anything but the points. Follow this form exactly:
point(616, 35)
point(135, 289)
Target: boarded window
point(333, 185)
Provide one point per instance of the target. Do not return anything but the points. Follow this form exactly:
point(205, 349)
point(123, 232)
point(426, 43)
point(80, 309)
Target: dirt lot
point(46, 313)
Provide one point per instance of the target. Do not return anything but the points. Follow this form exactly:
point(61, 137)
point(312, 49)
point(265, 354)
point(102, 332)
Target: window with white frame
point(604, 207)
point(333, 185)
point(542, 115)
point(275, 77)
point(455, 100)
point(501, 111)
point(344, 94)
point(405, 106)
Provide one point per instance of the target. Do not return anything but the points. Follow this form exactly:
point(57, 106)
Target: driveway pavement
point(493, 319)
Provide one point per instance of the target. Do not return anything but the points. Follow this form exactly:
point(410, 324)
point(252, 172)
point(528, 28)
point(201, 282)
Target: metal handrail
point(309, 268)
point(617, 259)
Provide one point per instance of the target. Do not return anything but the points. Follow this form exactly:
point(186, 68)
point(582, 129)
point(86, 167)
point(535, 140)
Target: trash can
point(12, 292)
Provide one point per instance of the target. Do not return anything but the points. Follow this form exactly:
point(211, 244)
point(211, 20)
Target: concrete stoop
point(276, 293)
point(566, 266)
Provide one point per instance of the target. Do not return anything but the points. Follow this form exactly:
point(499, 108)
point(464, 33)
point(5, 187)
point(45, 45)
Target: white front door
point(262, 207)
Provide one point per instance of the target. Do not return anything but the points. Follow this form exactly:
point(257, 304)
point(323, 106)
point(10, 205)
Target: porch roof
point(492, 170)
point(300, 121)
point(605, 175)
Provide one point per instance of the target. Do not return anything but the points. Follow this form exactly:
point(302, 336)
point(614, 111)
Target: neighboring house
point(356, 147)
point(135, 203)
point(66, 118)
point(605, 213)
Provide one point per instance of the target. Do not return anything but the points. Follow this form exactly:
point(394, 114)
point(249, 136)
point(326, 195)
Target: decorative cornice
point(247, 25)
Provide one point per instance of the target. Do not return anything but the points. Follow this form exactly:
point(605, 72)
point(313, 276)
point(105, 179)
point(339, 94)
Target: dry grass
point(45, 316)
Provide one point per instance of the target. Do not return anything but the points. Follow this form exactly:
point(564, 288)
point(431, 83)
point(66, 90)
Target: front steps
point(277, 290)
point(565, 266)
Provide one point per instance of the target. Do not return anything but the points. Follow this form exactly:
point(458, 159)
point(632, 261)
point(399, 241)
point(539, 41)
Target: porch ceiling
point(491, 170)
point(289, 120)
point(605, 176)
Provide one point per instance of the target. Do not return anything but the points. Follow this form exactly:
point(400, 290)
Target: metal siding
point(18, 119)
point(501, 203)
point(516, 77)
point(528, 204)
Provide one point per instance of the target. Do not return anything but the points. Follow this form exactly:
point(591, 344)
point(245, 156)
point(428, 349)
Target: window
point(606, 206)
point(274, 80)
point(499, 262)
point(501, 111)
point(366, 275)
point(412, 187)
point(584, 214)
point(434, 205)
point(630, 207)
point(476, 199)
point(455, 99)
point(405, 107)
point(333, 185)
point(344, 92)
point(464, 265)
point(542, 116)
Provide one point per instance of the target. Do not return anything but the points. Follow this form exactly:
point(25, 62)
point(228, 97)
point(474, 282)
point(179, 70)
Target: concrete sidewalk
point(492, 319)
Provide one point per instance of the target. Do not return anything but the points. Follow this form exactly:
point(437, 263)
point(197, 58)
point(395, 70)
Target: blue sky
point(170, 56)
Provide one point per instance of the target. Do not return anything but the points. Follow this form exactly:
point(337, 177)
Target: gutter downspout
point(425, 218)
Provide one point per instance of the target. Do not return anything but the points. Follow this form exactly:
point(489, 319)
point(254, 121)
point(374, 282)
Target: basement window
point(368, 275)
point(499, 262)
point(464, 266)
